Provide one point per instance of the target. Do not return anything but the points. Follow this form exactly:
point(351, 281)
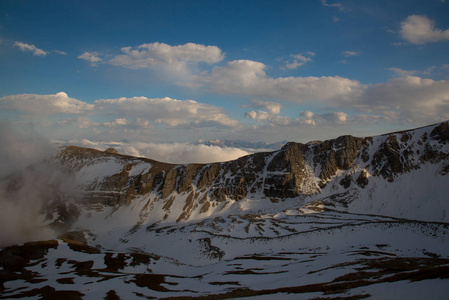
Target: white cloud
point(272, 107)
point(310, 118)
point(185, 152)
point(420, 30)
point(167, 152)
point(246, 77)
point(336, 4)
point(117, 122)
point(174, 58)
point(271, 117)
point(350, 53)
point(45, 104)
point(163, 119)
point(30, 48)
point(265, 117)
point(407, 98)
point(92, 57)
point(137, 123)
point(297, 60)
point(170, 112)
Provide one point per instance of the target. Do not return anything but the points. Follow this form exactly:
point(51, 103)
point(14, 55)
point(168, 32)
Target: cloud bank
point(45, 104)
point(160, 55)
point(246, 77)
point(167, 111)
point(177, 153)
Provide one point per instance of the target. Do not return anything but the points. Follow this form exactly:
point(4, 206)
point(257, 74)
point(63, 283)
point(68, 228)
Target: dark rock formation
point(111, 150)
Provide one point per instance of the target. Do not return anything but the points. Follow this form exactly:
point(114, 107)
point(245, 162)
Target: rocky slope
point(310, 171)
point(347, 218)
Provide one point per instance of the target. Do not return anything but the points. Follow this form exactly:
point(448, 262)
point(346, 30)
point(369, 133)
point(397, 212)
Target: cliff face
point(296, 170)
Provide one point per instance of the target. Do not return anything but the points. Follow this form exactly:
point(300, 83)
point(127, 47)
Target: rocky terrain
point(348, 218)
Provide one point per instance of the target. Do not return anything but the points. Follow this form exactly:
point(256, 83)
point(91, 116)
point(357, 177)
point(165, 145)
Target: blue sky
point(179, 71)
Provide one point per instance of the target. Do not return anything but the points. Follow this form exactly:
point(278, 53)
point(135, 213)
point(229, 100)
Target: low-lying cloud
point(26, 185)
point(177, 153)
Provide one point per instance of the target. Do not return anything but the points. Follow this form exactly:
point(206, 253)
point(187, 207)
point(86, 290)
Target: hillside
point(345, 218)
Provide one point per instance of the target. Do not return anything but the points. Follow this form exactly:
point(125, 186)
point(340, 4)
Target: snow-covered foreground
point(302, 253)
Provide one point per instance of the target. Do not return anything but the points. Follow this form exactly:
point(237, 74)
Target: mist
point(27, 184)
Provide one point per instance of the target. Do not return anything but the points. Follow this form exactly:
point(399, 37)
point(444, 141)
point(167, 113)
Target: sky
point(154, 77)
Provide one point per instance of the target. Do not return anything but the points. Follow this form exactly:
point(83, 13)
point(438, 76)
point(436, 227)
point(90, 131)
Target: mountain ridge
point(296, 170)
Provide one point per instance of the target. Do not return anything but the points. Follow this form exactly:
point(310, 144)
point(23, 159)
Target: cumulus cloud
point(137, 112)
point(167, 111)
point(138, 123)
point(272, 107)
point(408, 98)
point(160, 55)
point(246, 77)
point(130, 118)
point(45, 104)
point(92, 57)
point(267, 118)
point(418, 29)
point(297, 60)
point(271, 116)
point(30, 48)
point(310, 118)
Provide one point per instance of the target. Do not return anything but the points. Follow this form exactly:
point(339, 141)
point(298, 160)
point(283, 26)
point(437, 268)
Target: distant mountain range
point(347, 218)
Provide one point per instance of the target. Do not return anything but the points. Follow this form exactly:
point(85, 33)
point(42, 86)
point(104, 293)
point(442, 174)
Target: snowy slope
point(346, 218)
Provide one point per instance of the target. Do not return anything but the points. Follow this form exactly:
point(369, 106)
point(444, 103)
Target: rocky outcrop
point(286, 172)
point(441, 132)
point(338, 154)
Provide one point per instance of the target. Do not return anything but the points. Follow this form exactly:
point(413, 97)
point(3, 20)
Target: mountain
point(347, 218)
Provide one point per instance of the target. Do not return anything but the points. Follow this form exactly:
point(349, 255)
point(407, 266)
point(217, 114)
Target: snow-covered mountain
point(347, 218)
